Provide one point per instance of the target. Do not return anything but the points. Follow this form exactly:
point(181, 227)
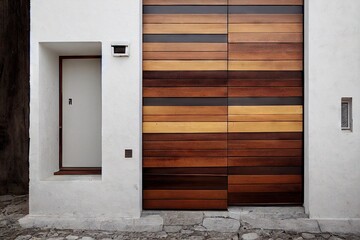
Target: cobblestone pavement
point(15, 207)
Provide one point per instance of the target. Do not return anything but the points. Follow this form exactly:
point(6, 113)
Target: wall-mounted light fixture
point(120, 49)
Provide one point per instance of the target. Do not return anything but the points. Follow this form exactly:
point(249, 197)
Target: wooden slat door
point(222, 103)
point(265, 89)
point(185, 104)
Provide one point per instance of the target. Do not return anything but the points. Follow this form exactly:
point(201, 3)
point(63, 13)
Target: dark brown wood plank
point(185, 204)
point(265, 198)
point(275, 75)
point(186, 153)
point(265, 170)
point(265, 153)
point(185, 92)
point(171, 171)
point(185, 74)
point(184, 162)
point(184, 182)
point(265, 136)
point(264, 83)
point(243, 144)
point(185, 194)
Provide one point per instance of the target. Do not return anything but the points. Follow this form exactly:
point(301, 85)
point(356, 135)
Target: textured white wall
point(117, 193)
point(333, 71)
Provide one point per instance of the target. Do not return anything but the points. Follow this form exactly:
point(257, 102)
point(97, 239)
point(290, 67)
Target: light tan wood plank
point(184, 2)
point(266, 18)
point(266, 2)
point(184, 28)
point(184, 18)
point(266, 118)
point(184, 110)
point(265, 127)
point(266, 37)
point(184, 47)
point(184, 118)
point(288, 65)
point(150, 65)
point(262, 27)
point(236, 110)
point(184, 127)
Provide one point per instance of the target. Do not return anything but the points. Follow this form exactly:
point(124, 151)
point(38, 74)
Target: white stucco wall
point(332, 71)
point(117, 193)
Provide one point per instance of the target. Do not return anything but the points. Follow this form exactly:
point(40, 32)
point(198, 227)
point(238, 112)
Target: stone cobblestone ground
point(194, 228)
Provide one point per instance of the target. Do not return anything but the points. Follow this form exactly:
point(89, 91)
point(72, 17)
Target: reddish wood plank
point(185, 92)
point(266, 153)
point(264, 161)
point(185, 194)
point(184, 145)
point(243, 144)
point(185, 204)
point(184, 161)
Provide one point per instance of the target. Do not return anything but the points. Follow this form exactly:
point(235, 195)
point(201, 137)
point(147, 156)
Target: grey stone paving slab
point(340, 226)
point(182, 217)
point(221, 224)
point(172, 229)
point(250, 236)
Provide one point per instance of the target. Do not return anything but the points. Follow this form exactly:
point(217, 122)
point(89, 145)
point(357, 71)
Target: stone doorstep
point(271, 218)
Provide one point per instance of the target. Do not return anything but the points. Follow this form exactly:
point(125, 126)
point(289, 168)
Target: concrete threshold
point(292, 219)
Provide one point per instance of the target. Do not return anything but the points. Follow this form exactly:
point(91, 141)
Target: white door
point(81, 112)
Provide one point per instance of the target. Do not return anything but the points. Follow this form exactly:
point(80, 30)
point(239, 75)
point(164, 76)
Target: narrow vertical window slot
point(346, 114)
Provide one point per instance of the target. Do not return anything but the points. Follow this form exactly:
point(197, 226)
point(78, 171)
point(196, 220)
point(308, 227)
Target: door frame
point(71, 170)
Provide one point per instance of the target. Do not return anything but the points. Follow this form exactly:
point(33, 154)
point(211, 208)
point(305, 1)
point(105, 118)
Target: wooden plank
point(184, 153)
point(184, 28)
point(184, 137)
point(264, 161)
point(290, 65)
point(270, 75)
point(260, 198)
point(185, 118)
point(185, 92)
point(184, 47)
point(184, 18)
point(266, 51)
point(186, 110)
point(266, 37)
point(266, 27)
point(184, 2)
point(184, 127)
point(184, 55)
point(186, 171)
point(266, 18)
point(264, 179)
point(185, 204)
point(152, 65)
point(265, 152)
point(265, 127)
point(185, 182)
point(185, 194)
point(266, 136)
point(184, 82)
point(266, 118)
point(185, 145)
point(265, 83)
point(244, 110)
point(266, 2)
point(184, 162)
point(236, 144)
point(265, 170)
point(265, 188)
point(265, 92)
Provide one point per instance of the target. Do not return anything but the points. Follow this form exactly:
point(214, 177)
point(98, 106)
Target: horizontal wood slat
point(266, 118)
point(149, 65)
point(184, 47)
point(185, 194)
point(184, 162)
point(265, 92)
point(184, 2)
point(185, 92)
point(261, 198)
point(265, 127)
point(266, 27)
point(185, 118)
point(264, 179)
point(185, 18)
point(265, 18)
point(184, 127)
point(235, 110)
point(185, 137)
point(265, 152)
point(265, 188)
point(187, 110)
point(185, 55)
point(264, 161)
point(184, 29)
point(266, 65)
point(265, 37)
point(184, 145)
point(185, 204)
point(241, 144)
point(266, 2)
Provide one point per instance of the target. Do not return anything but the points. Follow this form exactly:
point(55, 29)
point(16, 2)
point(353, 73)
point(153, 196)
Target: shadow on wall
point(14, 96)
